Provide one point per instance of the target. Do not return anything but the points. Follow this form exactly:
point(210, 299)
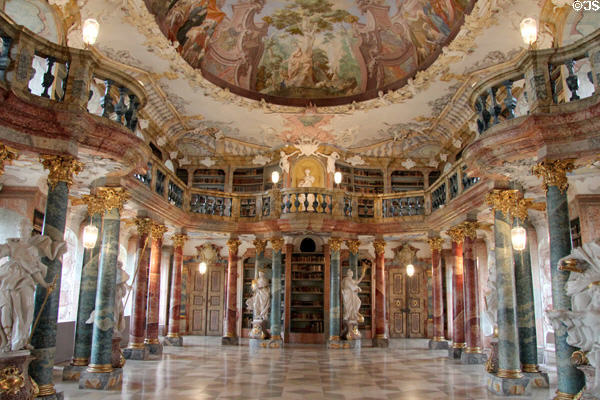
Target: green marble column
point(259, 246)
point(277, 245)
point(334, 292)
point(43, 338)
point(100, 373)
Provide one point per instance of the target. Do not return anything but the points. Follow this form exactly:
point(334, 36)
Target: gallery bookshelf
point(406, 181)
point(361, 180)
point(367, 298)
point(307, 292)
point(248, 180)
point(209, 179)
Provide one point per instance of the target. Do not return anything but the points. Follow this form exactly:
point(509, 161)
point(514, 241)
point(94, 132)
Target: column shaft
point(153, 292)
point(140, 294)
point(438, 300)
point(381, 327)
point(276, 295)
point(353, 264)
point(472, 324)
point(175, 302)
point(231, 307)
point(334, 295)
point(458, 300)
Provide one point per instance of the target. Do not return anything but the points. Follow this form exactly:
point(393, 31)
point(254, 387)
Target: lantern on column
point(90, 236)
point(89, 31)
point(275, 177)
point(518, 237)
point(529, 31)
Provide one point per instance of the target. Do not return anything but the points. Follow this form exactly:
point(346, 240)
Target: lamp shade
point(202, 268)
point(518, 236)
point(275, 177)
point(90, 236)
point(410, 270)
point(529, 31)
point(337, 177)
point(90, 30)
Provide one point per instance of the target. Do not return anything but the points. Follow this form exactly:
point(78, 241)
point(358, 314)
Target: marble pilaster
point(136, 350)
point(229, 324)
point(381, 324)
point(472, 353)
point(438, 342)
point(458, 294)
point(100, 373)
point(173, 338)
point(43, 337)
point(152, 311)
point(334, 293)
point(276, 341)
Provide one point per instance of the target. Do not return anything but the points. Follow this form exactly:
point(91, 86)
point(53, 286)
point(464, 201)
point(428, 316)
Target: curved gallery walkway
point(204, 369)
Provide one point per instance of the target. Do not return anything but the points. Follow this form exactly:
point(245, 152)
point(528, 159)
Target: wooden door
point(206, 303)
point(407, 303)
point(198, 304)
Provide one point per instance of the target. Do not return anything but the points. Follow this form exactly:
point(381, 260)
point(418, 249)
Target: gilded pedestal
point(15, 382)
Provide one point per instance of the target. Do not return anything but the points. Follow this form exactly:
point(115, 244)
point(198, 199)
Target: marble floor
point(203, 369)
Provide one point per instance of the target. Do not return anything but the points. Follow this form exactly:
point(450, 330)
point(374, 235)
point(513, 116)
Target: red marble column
point(135, 349)
point(438, 341)
point(154, 289)
point(229, 324)
point(381, 321)
point(175, 301)
point(472, 326)
point(458, 304)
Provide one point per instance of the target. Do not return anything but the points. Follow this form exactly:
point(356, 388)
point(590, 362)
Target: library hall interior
point(299, 199)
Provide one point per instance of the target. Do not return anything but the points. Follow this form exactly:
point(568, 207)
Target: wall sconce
point(518, 237)
point(90, 30)
point(337, 177)
point(202, 267)
point(90, 236)
point(275, 177)
point(410, 270)
point(529, 31)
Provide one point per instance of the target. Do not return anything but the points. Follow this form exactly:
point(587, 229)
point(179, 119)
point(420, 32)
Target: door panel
point(215, 303)
point(207, 302)
point(198, 304)
point(407, 303)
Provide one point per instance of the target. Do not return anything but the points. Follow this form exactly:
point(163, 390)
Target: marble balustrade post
point(438, 342)
point(152, 311)
point(43, 338)
point(570, 380)
point(381, 322)
point(458, 294)
point(334, 292)
point(100, 373)
point(173, 338)
point(136, 350)
point(276, 341)
point(229, 324)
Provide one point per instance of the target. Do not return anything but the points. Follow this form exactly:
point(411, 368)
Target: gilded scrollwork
point(60, 168)
point(554, 173)
point(7, 154)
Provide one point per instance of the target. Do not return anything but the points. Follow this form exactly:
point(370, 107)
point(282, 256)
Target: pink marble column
point(173, 338)
point(154, 291)
point(472, 353)
point(458, 304)
point(229, 324)
point(381, 321)
point(438, 341)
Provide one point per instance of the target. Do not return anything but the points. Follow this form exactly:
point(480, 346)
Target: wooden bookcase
point(209, 179)
point(307, 295)
point(361, 180)
point(366, 299)
point(248, 180)
point(406, 181)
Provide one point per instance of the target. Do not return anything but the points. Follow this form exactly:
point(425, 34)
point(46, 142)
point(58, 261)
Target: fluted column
point(87, 294)
point(173, 338)
point(100, 374)
point(277, 245)
point(152, 311)
point(381, 323)
point(136, 350)
point(229, 324)
point(472, 353)
point(570, 380)
point(334, 292)
point(458, 294)
point(43, 339)
point(438, 342)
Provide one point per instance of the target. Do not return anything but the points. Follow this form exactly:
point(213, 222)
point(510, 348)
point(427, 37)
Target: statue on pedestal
point(259, 304)
point(18, 278)
point(308, 180)
point(351, 303)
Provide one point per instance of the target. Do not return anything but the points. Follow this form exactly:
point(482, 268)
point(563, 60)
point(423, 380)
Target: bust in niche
point(308, 180)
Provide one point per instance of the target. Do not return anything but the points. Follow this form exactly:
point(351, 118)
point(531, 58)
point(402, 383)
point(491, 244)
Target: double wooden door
point(206, 302)
point(407, 303)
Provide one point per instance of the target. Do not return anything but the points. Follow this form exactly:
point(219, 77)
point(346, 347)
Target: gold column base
point(509, 373)
point(459, 345)
point(473, 350)
point(100, 368)
point(151, 341)
point(173, 335)
point(46, 390)
point(438, 339)
point(565, 396)
point(80, 361)
point(276, 337)
point(331, 338)
point(229, 334)
point(531, 368)
point(381, 336)
point(136, 345)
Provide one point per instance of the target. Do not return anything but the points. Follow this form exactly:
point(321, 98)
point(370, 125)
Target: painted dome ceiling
point(296, 52)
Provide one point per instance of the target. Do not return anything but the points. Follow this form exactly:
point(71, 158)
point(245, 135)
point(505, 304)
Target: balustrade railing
point(311, 200)
point(210, 205)
point(403, 206)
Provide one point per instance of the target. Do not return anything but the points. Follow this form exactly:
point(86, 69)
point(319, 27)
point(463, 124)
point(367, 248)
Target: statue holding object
point(351, 303)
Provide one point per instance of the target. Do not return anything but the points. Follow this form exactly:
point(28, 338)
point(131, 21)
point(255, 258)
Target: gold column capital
point(470, 229)
point(335, 243)
point(456, 233)
point(379, 246)
point(233, 245)
point(353, 245)
point(112, 197)
point(435, 243)
point(60, 168)
point(95, 204)
point(143, 225)
point(554, 173)
point(179, 239)
point(158, 230)
point(277, 243)
point(7, 154)
point(511, 203)
point(260, 245)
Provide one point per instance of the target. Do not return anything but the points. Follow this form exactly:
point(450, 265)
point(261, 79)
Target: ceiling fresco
point(299, 52)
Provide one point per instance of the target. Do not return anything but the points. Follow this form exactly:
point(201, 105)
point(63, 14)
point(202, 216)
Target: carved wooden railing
point(538, 82)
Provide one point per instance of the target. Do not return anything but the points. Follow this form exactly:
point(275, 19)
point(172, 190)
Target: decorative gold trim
point(7, 155)
point(509, 373)
point(95, 204)
point(333, 338)
point(353, 245)
point(233, 245)
point(143, 225)
point(554, 173)
point(229, 335)
point(12, 380)
point(80, 361)
point(456, 233)
point(438, 339)
point(530, 368)
point(459, 345)
point(151, 341)
point(173, 335)
point(46, 390)
point(579, 358)
point(475, 350)
point(564, 396)
point(113, 197)
point(136, 346)
point(260, 245)
point(179, 239)
point(277, 243)
point(570, 264)
point(335, 244)
point(381, 336)
point(379, 246)
point(100, 368)
point(158, 230)
point(435, 243)
point(60, 168)
point(276, 337)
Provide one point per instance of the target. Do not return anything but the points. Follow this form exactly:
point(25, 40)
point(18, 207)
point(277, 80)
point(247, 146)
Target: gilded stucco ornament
point(113, 197)
point(95, 204)
point(554, 173)
point(7, 154)
point(233, 245)
point(335, 244)
point(259, 245)
point(277, 243)
point(353, 245)
point(60, 168)
point(512, 204)
point(179, 239)
point(456, 233)
point(435, 243)
point(143, 225)
point(12, 380)
point(158, 230)
point(379, 246)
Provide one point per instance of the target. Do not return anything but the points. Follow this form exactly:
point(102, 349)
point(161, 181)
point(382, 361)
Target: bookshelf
point(307, 293)
point(406, 181)
point(366, 297)
point(248, 180)
point(360, 180)
point(209, 179)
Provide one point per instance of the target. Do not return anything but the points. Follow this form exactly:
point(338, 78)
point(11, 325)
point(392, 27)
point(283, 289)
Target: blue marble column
point(100, 373)
point(276, 340)
point(334, 292)
point(86, 304)
point(43, 338)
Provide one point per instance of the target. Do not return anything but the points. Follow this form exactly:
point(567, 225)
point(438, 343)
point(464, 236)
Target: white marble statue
point(331, 161)
point(350, 298)
point(284, 161)
point(18, 278)
point(583, 322)
point(308, 180)
point(120, 293)
point(260, 302)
